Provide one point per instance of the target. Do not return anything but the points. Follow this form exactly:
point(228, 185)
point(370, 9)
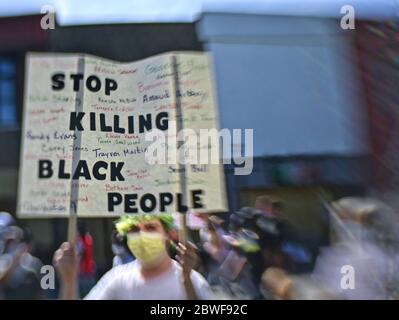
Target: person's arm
point(66, 262)
point(69, 291)
point(188, 259)
point(189, 287)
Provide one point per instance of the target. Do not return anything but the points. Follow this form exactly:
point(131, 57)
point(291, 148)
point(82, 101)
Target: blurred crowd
point(254, 253)
point(19, 270)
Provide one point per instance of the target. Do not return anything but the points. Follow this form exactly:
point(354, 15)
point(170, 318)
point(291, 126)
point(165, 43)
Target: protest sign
point(85, 134)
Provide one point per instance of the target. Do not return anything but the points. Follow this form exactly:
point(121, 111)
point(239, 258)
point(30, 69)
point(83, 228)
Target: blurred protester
point(261, 239)
point(265, 205)
point(152, 276)
point(271, 238)
point(236, 273)
point(120, 250)
point(286, 245)
point(19, 270)
point(87, 265)
point(241, 269)
point(366, 238)
point(272, 228)
point(212, 247)
point(6, 220)
point(278, 208)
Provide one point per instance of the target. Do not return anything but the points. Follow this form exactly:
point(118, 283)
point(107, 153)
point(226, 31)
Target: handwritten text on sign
point(83, 145)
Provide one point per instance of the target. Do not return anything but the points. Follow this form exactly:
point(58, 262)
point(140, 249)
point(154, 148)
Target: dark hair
point(119, 239)
point(278, 205)
point(27, 236)
point(264, 200)
point(116, 238)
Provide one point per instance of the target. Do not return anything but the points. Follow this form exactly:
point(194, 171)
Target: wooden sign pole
point(181, 167)
point(73, 205)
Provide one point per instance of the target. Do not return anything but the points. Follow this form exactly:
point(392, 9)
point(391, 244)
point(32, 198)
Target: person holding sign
point(152, 276)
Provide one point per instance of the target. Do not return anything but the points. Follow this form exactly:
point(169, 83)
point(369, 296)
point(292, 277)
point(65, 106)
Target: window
point(7, 93)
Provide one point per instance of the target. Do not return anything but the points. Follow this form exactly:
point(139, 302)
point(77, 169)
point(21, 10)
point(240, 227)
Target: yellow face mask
point(147, 247)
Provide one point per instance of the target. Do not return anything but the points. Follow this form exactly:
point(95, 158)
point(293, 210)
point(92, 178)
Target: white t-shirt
point(125, 282)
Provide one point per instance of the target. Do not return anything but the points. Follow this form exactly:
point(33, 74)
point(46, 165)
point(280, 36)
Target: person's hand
point(212, 250)
point(66, 260)
point(187, 257)
point(277, 282)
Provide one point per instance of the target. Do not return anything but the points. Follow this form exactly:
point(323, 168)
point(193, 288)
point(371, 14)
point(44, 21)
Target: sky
point(70, 12)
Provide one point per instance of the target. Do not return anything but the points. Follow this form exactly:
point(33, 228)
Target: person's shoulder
point(198, 278)
point(31, 263)
point(132, 265)
point(113, 283)
point(121, 271)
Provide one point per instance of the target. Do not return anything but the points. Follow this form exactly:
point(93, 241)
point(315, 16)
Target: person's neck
point(149, 272)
